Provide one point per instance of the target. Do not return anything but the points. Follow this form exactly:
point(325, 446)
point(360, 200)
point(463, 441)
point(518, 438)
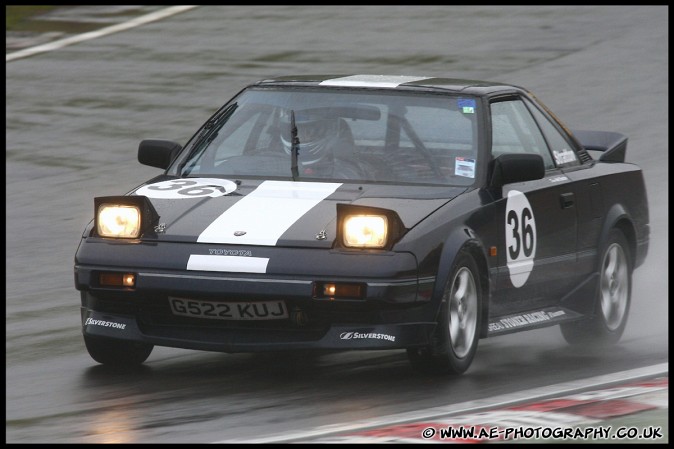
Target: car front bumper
point(231, 340)
point(394, 312)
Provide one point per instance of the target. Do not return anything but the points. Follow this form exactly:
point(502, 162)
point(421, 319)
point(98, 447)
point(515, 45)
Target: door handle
point(566, 200)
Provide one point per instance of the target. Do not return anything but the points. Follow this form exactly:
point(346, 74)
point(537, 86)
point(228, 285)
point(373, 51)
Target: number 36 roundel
point(188, 188)
point(520, 234)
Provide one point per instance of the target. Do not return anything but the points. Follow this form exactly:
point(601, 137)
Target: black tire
point(119, 353)
point(454, 342)
point(613, 298)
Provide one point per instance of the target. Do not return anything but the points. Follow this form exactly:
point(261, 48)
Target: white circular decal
point(520, 236)
point(188, 188)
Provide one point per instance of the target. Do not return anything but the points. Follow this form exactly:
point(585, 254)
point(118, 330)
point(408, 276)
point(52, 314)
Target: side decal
point(522, 320)
point(262, 216)
point(531, 319)
point(520, 230)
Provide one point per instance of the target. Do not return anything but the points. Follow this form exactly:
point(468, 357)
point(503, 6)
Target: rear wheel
point(121, 353)
point(454, 343)
point(613, 297)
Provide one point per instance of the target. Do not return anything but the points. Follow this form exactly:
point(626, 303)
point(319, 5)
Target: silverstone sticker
point(266, 213)
point(176, 189)
point(466, 105)
point(464, 167)
point(103, 323)
point(520, 230)
point(564, 156)
point(367, 336)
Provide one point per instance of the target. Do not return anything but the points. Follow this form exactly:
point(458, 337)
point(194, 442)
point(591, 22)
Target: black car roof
point(403, 82)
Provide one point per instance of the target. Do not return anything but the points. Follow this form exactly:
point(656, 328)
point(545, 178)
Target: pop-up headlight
point(119, 221)
point(365, 231)
point(367, 227)
point(123, 217)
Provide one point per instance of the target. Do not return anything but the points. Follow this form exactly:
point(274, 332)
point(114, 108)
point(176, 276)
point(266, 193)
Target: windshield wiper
point(294, 146)
point(207, 133)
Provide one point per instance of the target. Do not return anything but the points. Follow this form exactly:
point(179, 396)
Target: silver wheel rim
point(462, 312)
point(614, 286)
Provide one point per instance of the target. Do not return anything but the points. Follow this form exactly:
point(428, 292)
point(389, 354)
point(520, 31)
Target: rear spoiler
point(612, 145)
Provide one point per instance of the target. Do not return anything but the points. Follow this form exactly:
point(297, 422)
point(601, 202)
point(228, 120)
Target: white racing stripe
point(230, 264)
point(266, 213)
point(372, 80)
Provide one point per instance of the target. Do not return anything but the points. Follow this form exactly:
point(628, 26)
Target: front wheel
point(120, 353)
point(454, 342)
point(613, 298)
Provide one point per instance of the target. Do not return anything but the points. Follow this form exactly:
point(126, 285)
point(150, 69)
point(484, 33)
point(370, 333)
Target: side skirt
point(532, 319)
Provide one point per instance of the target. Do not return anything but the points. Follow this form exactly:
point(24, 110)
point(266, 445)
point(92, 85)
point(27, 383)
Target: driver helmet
point(317, 136)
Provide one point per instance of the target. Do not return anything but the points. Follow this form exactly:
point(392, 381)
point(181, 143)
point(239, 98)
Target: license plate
point(267, 310)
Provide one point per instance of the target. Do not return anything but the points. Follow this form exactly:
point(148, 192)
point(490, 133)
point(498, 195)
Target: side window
point(562, 151)
point(515, 131)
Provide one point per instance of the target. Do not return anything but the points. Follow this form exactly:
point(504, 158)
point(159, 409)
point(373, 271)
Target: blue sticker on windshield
point(466, 105)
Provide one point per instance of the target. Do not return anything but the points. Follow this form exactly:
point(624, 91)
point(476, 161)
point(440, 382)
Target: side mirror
point(157, 153)
point(516, 167)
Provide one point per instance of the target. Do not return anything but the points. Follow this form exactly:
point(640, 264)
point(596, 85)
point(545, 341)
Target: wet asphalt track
point(74, 120)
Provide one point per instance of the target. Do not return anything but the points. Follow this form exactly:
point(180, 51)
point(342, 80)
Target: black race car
point(366, 212)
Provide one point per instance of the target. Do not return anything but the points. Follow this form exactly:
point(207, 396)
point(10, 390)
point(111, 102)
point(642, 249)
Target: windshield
point(341, 135)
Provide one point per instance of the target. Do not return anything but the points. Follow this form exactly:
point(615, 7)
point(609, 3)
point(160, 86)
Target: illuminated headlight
point(119, 221)
point(365, 231)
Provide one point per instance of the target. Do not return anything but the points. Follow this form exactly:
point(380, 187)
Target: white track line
point(465, 407)
point(152, 17)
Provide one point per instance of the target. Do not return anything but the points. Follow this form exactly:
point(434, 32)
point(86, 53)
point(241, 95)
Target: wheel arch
point(595, 329)
point(618, 218)
point(464, 239)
